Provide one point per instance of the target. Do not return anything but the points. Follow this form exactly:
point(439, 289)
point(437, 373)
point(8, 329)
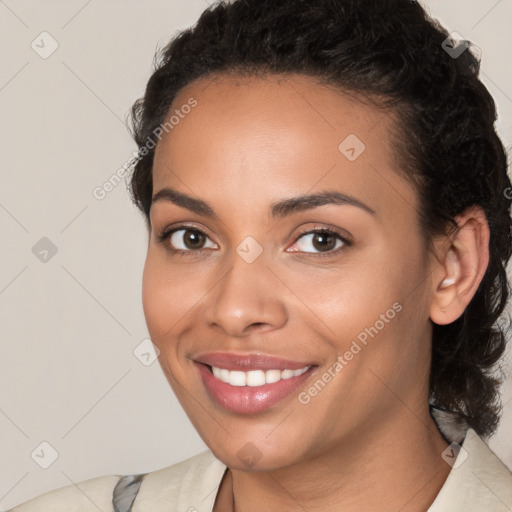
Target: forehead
point(273, 135)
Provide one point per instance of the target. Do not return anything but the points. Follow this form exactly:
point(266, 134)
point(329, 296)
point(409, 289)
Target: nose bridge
point(247, 294)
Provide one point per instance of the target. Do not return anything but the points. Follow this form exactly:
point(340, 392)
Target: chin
point(255, 453)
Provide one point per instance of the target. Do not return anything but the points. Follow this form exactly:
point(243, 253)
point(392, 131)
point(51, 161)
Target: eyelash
point(163, 236)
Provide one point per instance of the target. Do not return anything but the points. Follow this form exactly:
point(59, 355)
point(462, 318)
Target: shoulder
point(188, 485)
point(86, 496)
point(177, 486)
point(477, 481)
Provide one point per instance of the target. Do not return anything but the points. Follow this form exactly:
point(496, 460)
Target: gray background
point(69, 326)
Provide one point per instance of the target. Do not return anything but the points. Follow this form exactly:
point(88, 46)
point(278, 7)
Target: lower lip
point(250, 399)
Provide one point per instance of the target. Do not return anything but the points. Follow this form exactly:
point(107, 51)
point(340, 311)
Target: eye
point(324, 240)
point(185, 239)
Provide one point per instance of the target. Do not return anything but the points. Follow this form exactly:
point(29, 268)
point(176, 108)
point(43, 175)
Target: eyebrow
point(279, 209)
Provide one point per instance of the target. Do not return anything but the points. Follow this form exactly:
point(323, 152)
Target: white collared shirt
point(477, 482)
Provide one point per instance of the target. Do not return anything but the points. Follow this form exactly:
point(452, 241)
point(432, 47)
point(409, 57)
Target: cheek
point(162, 311)
point(152, 297)
point(370, 302)
point(349, 299)
point(170, 293)
point(158, 300)
point(384, 312)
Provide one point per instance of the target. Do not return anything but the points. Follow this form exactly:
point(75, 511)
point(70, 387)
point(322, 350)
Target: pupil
point(322, 237)
point(194, 238)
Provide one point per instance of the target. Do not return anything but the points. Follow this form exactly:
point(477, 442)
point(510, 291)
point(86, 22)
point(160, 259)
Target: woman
point(328, 212)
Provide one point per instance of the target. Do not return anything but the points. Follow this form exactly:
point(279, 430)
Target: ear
point(462, 259)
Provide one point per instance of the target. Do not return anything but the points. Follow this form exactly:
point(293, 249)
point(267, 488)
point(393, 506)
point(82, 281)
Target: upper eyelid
point(182, 227)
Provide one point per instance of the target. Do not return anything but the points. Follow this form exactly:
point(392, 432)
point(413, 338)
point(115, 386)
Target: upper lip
point(247, 362)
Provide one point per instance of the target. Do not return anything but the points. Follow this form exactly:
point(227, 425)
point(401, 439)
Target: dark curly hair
point(391, 53)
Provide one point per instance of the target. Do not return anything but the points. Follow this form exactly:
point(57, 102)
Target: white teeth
point(287, 374)
point(237, 378)
point(255, 377)
point(272, 376)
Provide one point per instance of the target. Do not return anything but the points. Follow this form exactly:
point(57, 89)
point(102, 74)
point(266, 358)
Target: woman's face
point(264, 279)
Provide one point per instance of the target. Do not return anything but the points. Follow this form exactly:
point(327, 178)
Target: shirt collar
point(478, 480)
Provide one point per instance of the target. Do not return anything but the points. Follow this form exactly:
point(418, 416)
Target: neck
point(386, 469)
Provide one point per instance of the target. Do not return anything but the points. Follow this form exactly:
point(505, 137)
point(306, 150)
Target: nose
point(248, 298)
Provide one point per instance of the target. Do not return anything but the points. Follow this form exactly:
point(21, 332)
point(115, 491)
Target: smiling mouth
point(252, 391)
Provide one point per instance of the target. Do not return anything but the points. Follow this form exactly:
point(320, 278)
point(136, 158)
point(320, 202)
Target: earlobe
point(461, 267)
